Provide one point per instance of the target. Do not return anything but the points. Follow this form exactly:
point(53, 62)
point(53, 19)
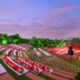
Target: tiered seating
point(14, 52)
point(43, 67)
point(14, 66)
point(44, 52)
point(29, 66)
point(2, 48)
point(15, 46)
point(37, 53)
point(7, 51)
point(26, 46)
point(19, 53)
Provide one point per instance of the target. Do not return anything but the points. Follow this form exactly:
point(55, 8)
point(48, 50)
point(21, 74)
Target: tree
point(33, 41)
point(39, 44)
point(4, 41)
point(15, 40)
point(5, 35)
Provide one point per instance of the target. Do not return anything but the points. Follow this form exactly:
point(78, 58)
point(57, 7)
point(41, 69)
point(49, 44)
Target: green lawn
point(1, 53)
point(17, 54)
point(13, 74)
point(30, 49)
point(75, 62)
point(10, 53)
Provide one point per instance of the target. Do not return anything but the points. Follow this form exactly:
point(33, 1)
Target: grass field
point(10, 53)
point(75, 62)
point(1, 53)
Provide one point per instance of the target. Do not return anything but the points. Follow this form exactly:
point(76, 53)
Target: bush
point(78, 76)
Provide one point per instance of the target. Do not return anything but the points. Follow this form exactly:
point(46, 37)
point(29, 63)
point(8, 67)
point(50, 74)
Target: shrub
point(78, 76)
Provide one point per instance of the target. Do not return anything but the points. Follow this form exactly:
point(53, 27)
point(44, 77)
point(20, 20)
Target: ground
point(56, 62)
point(63, 69)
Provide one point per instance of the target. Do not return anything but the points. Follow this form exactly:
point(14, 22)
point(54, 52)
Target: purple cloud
point(54, 13)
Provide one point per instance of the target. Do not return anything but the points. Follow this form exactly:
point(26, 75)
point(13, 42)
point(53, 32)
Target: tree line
point(36, 42)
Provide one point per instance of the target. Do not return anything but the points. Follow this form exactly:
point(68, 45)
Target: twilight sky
point(41, 18)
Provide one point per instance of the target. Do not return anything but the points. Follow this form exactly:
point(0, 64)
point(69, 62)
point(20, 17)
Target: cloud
point(54, 25)
point(54, 13)
point(69, 29)
point(35, 18)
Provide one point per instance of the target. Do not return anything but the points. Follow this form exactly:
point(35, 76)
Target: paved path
point(6, 76)
point(1, 57)
point(54, 76)
point(33, 76)
point(64, 72)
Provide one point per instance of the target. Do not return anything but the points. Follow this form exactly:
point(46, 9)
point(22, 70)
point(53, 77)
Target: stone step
point(64, 72)
point(6, 76)
point(54, 76)
point(33, 76)
point(64, 75)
